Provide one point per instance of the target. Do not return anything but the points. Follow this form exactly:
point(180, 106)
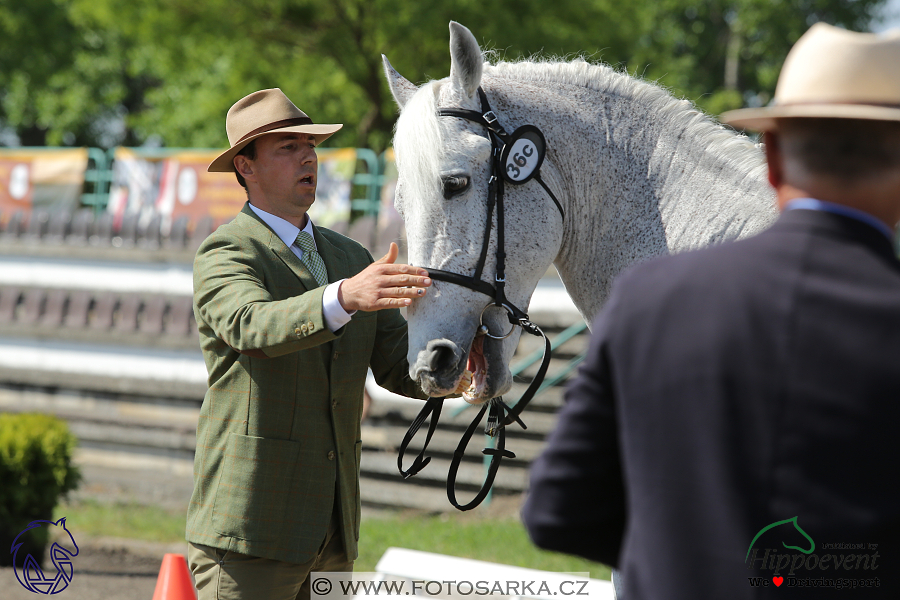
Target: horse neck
point(641, 179)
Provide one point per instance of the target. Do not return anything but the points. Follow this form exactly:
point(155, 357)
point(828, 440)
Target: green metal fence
point(97, 180)
point(370, 180)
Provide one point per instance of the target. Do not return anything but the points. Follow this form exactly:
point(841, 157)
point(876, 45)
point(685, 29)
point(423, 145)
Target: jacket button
point(303, 328)
point(311, 326)
point(334, 404)
point(297, 331)
point(335, 356)
point(331, 455)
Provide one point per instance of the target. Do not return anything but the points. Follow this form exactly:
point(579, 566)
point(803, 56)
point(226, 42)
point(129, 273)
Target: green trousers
point(226, 575)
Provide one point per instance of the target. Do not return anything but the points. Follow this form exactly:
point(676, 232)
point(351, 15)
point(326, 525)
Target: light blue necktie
point(311, 257)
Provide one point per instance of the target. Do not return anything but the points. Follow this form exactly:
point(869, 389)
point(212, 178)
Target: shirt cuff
point(335, 315)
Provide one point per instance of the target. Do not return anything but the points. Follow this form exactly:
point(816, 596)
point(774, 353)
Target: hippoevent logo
point(807, 567)
point(792, 521)
point(29, 572)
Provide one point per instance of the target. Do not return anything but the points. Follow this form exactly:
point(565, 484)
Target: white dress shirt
point(335, 315)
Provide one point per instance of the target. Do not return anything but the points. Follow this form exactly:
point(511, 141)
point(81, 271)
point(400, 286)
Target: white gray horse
point(638, 173)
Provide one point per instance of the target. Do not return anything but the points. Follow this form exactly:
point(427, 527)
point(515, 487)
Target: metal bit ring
point(483, 329)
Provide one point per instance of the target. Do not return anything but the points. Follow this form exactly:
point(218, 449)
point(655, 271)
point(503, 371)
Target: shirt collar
point(287, 232)
point(840, 209)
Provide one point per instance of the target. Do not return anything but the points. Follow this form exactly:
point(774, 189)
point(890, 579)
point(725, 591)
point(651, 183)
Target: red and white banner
point(40, 178)
point(175, 183)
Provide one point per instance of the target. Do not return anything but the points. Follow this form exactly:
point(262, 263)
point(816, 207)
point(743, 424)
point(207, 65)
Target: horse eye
point(454, 185)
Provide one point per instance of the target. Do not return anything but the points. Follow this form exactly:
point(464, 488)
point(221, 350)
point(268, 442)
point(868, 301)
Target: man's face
point(285, 170)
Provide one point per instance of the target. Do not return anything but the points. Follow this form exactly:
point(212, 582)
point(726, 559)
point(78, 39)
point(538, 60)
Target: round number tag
point(522, 156)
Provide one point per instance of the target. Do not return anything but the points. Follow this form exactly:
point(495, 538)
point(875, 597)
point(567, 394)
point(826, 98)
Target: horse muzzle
point(439, 367)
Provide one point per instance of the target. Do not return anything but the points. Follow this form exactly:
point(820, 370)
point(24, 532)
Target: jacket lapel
point(262, 231)
point(335, 260)
point(293, 263)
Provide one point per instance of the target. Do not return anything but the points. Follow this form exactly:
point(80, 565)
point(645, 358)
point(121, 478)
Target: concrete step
point(119, 476)
point(404, 494)
point(103, 368)
point(574, 346)
point(549, 400)
point(400, 494)
point(556, 366)
point(512, 475)
point(79, 405)
point(539, 423)
point(387, 438)
point(177, 443)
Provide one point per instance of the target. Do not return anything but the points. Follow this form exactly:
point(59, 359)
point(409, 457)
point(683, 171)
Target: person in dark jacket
point(733, 429)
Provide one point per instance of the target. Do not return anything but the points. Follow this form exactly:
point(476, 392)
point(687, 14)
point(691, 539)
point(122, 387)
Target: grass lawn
point(91, 518)
point(499, 539)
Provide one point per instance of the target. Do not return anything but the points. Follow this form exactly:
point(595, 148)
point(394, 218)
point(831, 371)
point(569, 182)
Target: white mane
point(602, 78)
point(417, 139)
point(418, 134)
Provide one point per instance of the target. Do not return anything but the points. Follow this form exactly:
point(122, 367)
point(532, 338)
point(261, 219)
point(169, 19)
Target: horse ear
point(466, 60)
point(402, 88)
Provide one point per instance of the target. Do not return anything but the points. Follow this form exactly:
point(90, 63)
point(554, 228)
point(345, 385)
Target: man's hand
point(383, 285)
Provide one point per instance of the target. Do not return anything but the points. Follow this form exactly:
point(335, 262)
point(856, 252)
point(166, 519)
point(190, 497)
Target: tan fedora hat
point(260, 113)
point(832, 73)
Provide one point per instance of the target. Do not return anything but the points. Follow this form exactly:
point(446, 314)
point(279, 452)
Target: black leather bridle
point(515, 158)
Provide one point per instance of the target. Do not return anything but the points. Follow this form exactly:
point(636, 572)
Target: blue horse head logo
point(32, 577)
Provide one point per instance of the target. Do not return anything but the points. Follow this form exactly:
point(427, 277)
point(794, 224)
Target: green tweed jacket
point(279, 428)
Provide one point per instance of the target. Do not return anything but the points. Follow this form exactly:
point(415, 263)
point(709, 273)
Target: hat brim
point(224, 163)
point(766, 119)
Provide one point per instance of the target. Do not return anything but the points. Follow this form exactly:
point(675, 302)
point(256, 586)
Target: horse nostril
point(439, 358)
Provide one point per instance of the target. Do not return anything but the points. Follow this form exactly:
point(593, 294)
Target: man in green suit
point(290, 317)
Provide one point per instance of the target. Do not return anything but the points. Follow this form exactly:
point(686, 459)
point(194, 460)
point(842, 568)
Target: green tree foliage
point(325, 54)
point(724, 54)
point(104, 72)
point(62, 80)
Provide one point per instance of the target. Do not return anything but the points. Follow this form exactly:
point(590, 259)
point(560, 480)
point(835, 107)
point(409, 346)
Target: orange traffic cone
point(174, 582)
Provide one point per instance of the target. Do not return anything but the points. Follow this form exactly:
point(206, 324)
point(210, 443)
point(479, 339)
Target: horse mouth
point(477, 365)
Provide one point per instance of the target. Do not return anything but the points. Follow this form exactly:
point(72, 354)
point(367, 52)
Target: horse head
point(65, 544)
point(444, 165)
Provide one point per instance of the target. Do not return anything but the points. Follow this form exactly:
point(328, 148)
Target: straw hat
point(832, 73)
point(262, 112)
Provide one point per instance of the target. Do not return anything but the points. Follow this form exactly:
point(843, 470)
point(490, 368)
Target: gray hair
point(851, 150)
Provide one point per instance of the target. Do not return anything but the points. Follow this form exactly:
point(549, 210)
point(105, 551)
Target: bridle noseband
point(515, 158)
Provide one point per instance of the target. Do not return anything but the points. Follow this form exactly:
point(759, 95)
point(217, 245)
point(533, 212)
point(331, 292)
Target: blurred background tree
point(164, 72)
point(725, 54)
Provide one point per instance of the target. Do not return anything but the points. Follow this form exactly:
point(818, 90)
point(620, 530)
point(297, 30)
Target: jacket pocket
point(256, 488)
